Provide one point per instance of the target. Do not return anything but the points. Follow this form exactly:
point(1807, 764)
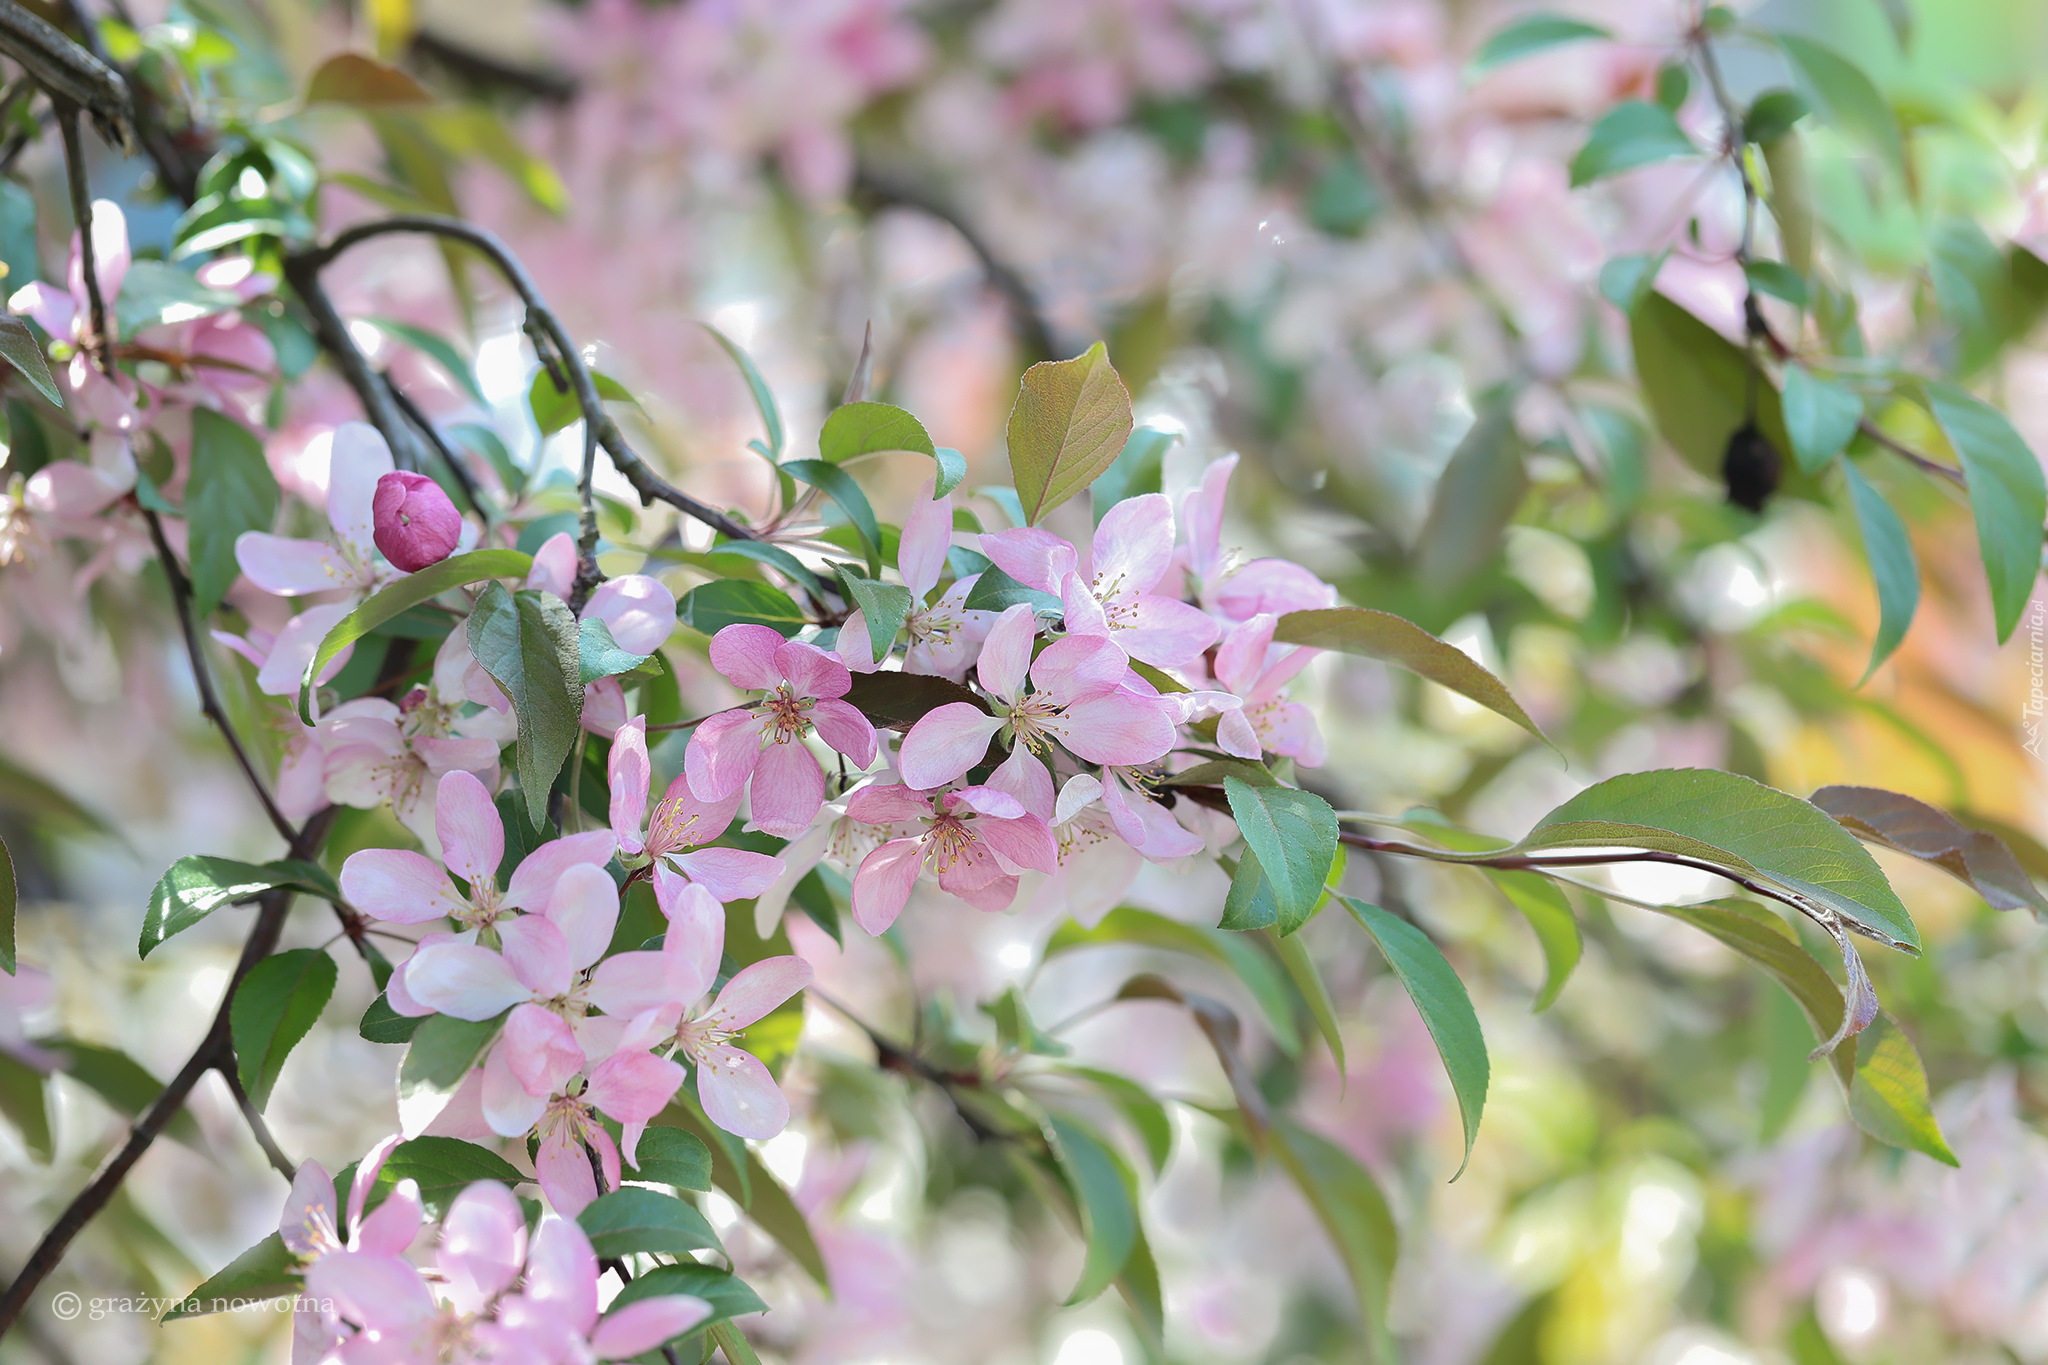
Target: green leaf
point(1069, 424)
point(1300, 966)
point(1777, 279)
point(1740, 825)
point(774, 556)
point(1893, 566)
point(153, 292)
point(857, 429)
point(897, 701)
point(1348, 1202)
point(1771, 116)
point(1252, 903)
point(528, 642)
point(752, 1186)
point(1769, 942)
point(1625, 281)
point(1476, 496)
point(124, 1083)
point(1102, 1188)
point(952, 468)
point(382, 1024)
point(1549, 913)
point(1530, 34)
point(764, 397)
point(1888, 1098)
point(1294, 834)
point(711, 607)
point(194, 887)
point(727, 1293)
point(1440, 998)
point(598, 655)
point(46, 806)
point(996, 591)
point(1629, 135)
point(635, 1220)
point(487, 443)
point(25, 1102)
point(556, 409)
point(1698, 384)
point(18, 348)
point(2007, 495)
point(1820, 417)
point(671, 1156)
point(438, 349)
point(884, 606)
point(838, 485)
point(397, 598)
point(267, 1270)
point(1135, 469)
point(18, 235)
point(1211, 773)
point(274, 1006)
point(231, 490)
point(1847, 97)
point(1390, 639)
point(1147, 1115)
point(365, 83)
point(442, 1052)
point(1977, 858)
point(1232, 952)
point(443, 1167)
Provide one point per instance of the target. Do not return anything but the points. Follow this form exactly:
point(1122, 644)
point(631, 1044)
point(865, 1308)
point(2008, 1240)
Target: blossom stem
point(231, 1073)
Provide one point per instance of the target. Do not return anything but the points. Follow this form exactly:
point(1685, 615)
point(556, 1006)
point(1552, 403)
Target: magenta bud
point(415, 523)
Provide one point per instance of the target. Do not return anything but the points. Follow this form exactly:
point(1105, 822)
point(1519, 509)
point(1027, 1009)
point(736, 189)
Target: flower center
point(784, 716)
point(669, 831)
point(949, 842)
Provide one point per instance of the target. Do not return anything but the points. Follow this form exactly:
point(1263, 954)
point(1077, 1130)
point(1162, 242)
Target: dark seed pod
point(1751, 468)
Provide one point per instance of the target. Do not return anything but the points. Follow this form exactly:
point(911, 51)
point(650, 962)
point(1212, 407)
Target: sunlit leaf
point(1390, 639)
point(1294, 834)
point(2008, 496)
point(18, 347)
point(1893, 566)
point(275, 1005)
point(630, 1221)
point(1889, 1097)
point(1069, 424)
point(267, 1270)
point(1529, 34)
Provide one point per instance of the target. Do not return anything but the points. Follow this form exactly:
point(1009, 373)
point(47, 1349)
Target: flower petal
point(385, 1293)
point(554, 566)
point(738, 1094)
point(398, 886)
point(633, 1087)
point(289, 567)
point(292, 652)
point(483, 1245)
point(463, 981)
point(1006, 653)
point(1024, 776)
point(538, 953)
point(1116, 727)
point(310, 1220)
point(393, 1224)
point(640, 1327)
point(881, 885)
point(1037, 559)
point(944, 743)
point(585, 907)
point(533, 882)
point(789, 786)
point(757, 988)
point(640, 610)
point(730, 874)
point(696, 935)
point(540, 1049)
point(629, 774)
point(811, 671)
point(723, 750)
point(745, 654)
point(887, 803)
point(927, 536)
point(359, 458)
point(472, 836)
point(509, 1109)
point(1165, 633)
point(1133, 546)
point(1277, 586)
point(1024, 842)
point(841, 725)
point(561, 1271)
point(564, 1172)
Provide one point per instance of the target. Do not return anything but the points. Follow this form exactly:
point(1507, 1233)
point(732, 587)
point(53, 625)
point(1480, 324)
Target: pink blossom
point(1222, 584)
point(402, 887)
point(1138, 819)
point(943, 634)
point(105, 400)
point(416, 524)
point(638, 609)
point(764, 742)
point(311, 1230)
point(975, 839)
point(1251, 667)
point(27, 991)
point(1132, 551)
point(1078, 699)
point(667, 1002)
point(681, 822)
point(554, 1316)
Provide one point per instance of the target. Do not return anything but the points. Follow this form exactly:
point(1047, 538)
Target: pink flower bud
point(416, 525)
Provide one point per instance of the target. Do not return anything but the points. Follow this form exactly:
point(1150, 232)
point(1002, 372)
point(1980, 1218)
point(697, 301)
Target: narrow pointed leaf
point(1889, 1098)
point(1629, 135)
point(24, 1101)
point(1348, 1202)
point(1549, 913)
point(529, 644)
point(194, 887)
point(2008, 497)
point(838, 485)
point(1530, 34)
point(764, 397)
point(1390, 639)
point(1445, 1007)
point(18, 348)
point(713, 606)
point(274, 1007)
point(1820, 417)
point(1253, 968)
point(1977, 858)
point(1893, 566)
point(1300, 966)
point(1102, 1191)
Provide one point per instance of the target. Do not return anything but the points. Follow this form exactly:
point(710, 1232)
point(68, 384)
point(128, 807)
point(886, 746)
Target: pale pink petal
point(723, 751)
point(1123, 813)
point(464, 981)
point(472, 836)
point(310, 1221)
point(945, 743)
point(367, 1171)
point(393, 1224)
point(463, 1115)
point(629, 774)
point(604, 707)
point(1242, 655)
point(67, 490)
point(296, 645)
point(54, 310)
point(1235, 735)
point(483, 1245)
point(1083, 613)
point(856, 646)
point(561, 1271)
point(984, 801)
point(682, 818)
point(887, 803)
point(738, 1094)
point(444, 754)
point(366, 1289)
point(1037, 559)
point(696, 935)
point(1115, 727)
point(255, 648)
point(1081, 791)
point(564, 1172)
point(1272, 585)
point(811, 671)
point(1165, 837)
point(360, 458)
point(841, 725)
point(627, 984)
point(1201, 515)
point(554, 566)
point(633, 1087)
point(291, 568)
point(927, 535)
point(1024, 776)
point(1006, 653)
point(640, 611)
point(757, 988)
point(509, 1109)
point(1024, 842)
point(730, 874)
point(642, 1326)
point(585, 907)
point(745, 654)
point(538, 954)
point(1292, 730)
point(1133, 546)
point(1164, 633)
point(992, 897)
point(398, 886)
point(540, 1049)
point(881, 885)
point(1077, 665)
point(789, 786)
point(110, 255)
point(533, 882)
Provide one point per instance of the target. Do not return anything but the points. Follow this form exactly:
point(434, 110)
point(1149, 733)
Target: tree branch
point(68, 72)
point(232, 1074)
point(370, 390)
point(306, 265)
point(101, 340)
point(432, 436)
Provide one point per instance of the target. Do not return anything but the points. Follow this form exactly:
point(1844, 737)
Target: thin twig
point(370, 390)
point(81, 210)
point(303, 269)
point(431, 434)
point(231, 1073)
point(68, 71)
